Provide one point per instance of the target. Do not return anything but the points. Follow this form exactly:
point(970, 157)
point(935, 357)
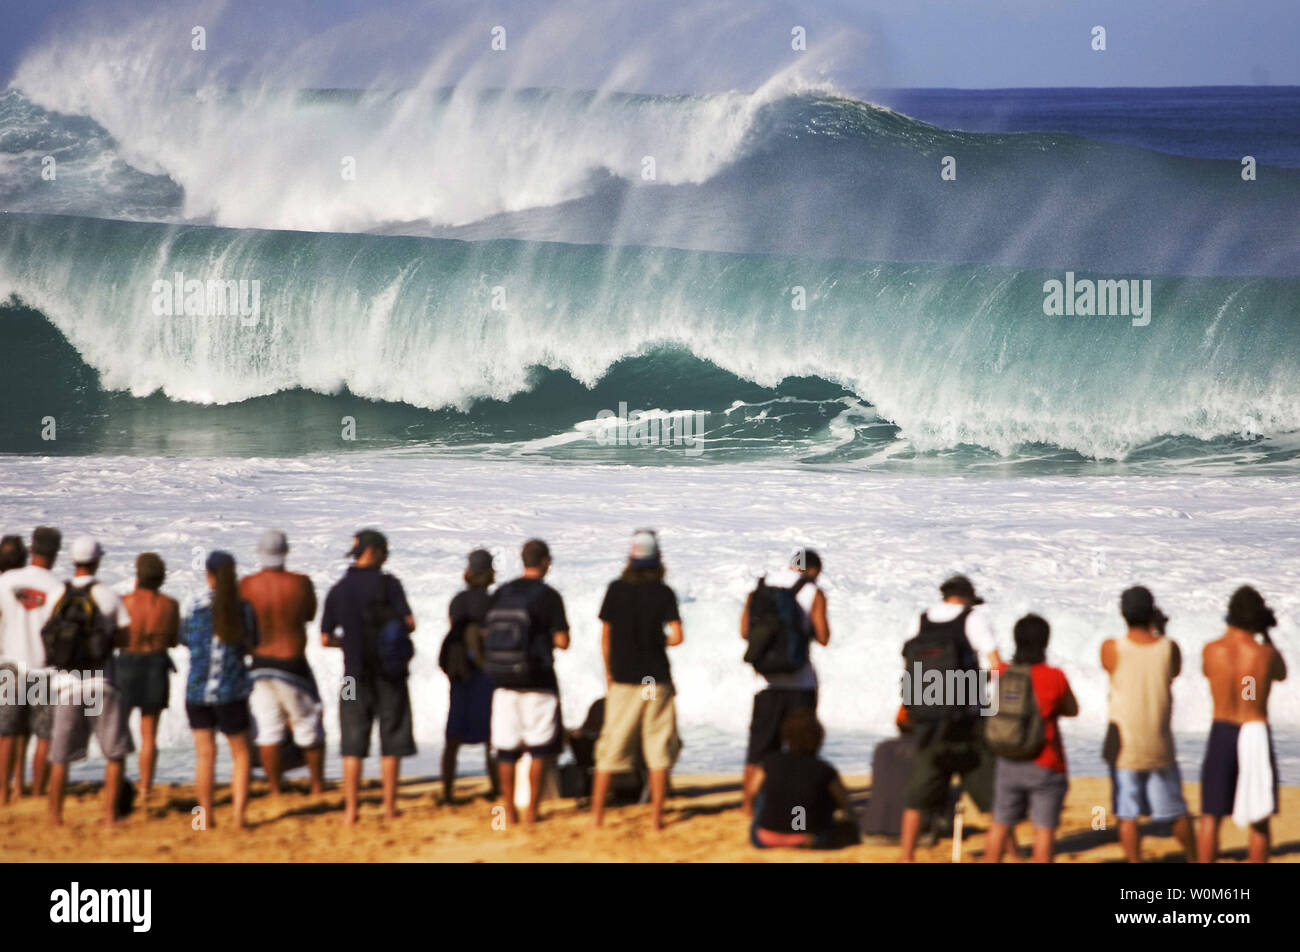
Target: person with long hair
point(220, 630)
point(143, 666)
point(640, 711)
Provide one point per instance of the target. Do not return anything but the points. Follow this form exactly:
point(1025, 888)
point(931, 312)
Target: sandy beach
point(704, 824)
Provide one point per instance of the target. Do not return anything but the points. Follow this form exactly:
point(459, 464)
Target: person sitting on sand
point(640, 714)
point(1239, 774)
point(284, 700)
point(86, 693)
point(782, 693)
point(367, 694)
point(1035, 788)
point(526, 622)
point(469, 713)
point(796, 793)
point(143, 666)
point(1142, 667)
point(219, 630)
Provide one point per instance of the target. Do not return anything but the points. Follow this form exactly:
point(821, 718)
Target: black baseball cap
point(368, 538)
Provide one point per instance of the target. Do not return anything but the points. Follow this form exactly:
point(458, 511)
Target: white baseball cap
point(272, 547)
point(86, 549)
point(645, 547)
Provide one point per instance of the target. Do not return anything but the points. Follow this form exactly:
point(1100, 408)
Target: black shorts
point(230, 718)
point(771, 705)
point(1219, 770)
point(144, 678)
point(379, 699)
point(957, 749)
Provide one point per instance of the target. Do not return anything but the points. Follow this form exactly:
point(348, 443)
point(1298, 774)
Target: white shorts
point(277, 705)
point(525, 721)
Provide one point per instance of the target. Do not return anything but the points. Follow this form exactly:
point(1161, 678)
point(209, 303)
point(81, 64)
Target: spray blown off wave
point(784, 170)
point(950, 355)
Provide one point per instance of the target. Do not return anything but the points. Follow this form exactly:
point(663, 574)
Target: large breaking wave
point(950, 355)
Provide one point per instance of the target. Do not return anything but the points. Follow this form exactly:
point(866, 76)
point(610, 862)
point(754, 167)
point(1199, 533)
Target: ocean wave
point(950, 356)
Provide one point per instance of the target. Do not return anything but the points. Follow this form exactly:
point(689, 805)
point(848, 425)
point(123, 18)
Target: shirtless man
point(143, 667)
point(284, 695)
point(1242, 667)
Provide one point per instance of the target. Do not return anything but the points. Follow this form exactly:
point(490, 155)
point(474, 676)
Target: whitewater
point(1061, 546)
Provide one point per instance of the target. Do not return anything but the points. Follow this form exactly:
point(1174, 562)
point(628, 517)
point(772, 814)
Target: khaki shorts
point(638, 719)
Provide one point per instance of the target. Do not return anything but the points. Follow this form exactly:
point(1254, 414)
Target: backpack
point(940, 647)
point(387, 645)
point(462, 648)
point(454, 659)
point(509, 656)
point(778, 632)
point(1017, 730)
point(75, 636)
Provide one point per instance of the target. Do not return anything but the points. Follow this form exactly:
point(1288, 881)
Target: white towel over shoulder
point(1254, 798)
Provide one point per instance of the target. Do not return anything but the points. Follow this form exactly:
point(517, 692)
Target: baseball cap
point(1137, 605)
point(217, 559)
point(272, 547)
point(86, 549)
point(368, 538)
point(480, 560)
point(644, 551)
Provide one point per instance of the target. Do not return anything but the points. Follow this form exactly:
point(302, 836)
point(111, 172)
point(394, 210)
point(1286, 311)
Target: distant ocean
point(503, 321)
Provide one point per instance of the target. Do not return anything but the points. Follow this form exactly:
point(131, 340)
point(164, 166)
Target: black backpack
point(510, 656)
point(387, 648)
point(453, 657)
point(75, 636)
point(1017, 730)
point(778, 632)
point(941, 647)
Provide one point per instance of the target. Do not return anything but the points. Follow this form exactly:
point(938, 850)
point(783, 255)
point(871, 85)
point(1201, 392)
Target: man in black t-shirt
point(640, 714)
point(526, 717)
point(366, 695)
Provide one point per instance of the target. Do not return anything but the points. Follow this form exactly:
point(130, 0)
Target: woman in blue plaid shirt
point(220, 630)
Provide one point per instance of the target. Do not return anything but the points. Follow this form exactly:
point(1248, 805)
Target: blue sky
point(700, 45)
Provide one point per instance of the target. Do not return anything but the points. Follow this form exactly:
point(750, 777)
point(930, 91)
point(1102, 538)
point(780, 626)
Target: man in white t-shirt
point(27, 597)
point(779, 694)
point(89, 700)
